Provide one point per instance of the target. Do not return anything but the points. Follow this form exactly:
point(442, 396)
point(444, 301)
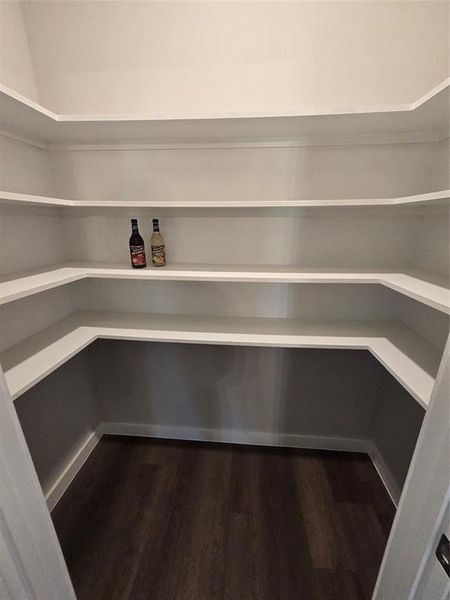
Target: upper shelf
point(424, 287)
point(429, 115)
point(408, 357)
point(430, 199)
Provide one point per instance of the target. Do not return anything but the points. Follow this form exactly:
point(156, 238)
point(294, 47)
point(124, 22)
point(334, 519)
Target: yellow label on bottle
point(159, 255)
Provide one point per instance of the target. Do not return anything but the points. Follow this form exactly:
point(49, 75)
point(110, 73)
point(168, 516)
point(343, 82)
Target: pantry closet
point(305, 302)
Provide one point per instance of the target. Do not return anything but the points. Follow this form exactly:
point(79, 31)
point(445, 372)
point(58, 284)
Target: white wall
point(212, 57)
point(441, 173)
point(432, 249)
point(270, 173)
point(430, 324)
point(24, 168)
point(315, 301)
point(309, 241)
point(16, 68)
point(25, 317)
point(38, 239)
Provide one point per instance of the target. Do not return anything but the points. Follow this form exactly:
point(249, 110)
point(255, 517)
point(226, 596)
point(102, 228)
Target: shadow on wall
point(270, 396)
point(255, 395)
point(192, 390)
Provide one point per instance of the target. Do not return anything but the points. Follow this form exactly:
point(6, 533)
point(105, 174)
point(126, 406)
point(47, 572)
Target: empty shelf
point(428, 114)
point(409, 358)
point(427, 288)
point(417, 200)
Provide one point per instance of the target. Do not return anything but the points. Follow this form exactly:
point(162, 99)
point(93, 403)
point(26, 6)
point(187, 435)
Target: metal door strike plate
point(443, 553)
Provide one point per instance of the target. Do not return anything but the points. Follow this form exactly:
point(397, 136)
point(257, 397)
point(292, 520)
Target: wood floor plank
point(115, 547)
point(291, 541)
point(94, 482)
point(168, 520)
point(239, 559)
point(376, 491)
point(316, 500)
point(337, 583)
point(362, 540)
point(194, 565)
point(205, 531)
point(344, 476)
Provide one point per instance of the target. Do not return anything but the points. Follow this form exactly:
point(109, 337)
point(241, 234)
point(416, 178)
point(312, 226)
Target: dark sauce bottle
point(137, 248)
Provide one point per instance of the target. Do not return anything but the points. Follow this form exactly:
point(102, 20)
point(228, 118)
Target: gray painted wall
point(57, 417)
point(332, 393)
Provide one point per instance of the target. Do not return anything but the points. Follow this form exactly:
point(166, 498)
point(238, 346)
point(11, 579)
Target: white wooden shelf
point(427, 288)
point(409, 358)
point(428, 114)
point(439, 198)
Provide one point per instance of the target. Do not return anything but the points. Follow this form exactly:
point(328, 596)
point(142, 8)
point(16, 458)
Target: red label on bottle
point(137, 255)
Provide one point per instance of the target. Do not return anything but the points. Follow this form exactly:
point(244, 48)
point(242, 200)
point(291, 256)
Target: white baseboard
point(65, 479)
point(233, 436)
point(384, 472)
point(261, 438)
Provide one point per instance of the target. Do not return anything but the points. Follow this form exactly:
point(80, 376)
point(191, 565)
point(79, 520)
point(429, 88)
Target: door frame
point(32, 565)
point(424, 493)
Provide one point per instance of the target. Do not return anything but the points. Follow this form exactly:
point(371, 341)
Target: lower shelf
point(409, 358)
point(427, 288)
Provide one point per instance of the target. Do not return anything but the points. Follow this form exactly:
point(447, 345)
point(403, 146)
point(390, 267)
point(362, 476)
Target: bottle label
point(159, 255)
point(137, 256)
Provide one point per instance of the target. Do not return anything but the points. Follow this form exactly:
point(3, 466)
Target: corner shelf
point(439, 198)
point(409, 358)
point(428, 114)
point(426, 288)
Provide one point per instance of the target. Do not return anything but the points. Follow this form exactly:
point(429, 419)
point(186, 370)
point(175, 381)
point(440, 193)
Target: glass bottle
point(137, 248)
point(158, 246)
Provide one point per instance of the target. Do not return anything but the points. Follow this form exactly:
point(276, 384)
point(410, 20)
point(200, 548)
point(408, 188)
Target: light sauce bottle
point(158, 246)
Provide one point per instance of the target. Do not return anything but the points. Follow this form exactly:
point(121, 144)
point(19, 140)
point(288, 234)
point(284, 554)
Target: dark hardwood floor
point(161, 520)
